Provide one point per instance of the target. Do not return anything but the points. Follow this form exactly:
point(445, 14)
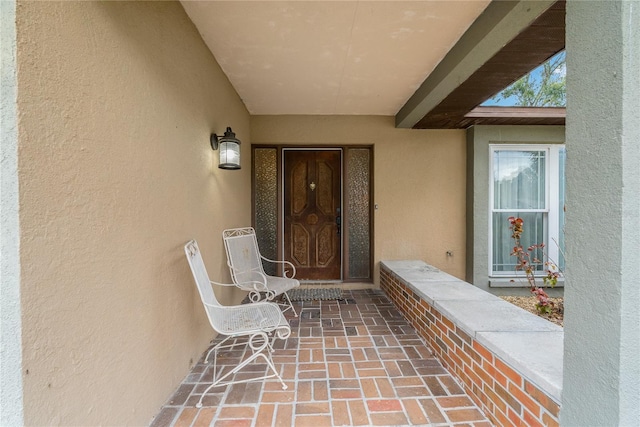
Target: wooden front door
point(312, 183)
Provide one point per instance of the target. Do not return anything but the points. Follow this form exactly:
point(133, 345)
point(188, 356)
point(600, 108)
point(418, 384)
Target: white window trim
point(552, 199)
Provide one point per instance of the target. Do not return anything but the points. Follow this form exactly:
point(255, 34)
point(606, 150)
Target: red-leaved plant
point(528, 261)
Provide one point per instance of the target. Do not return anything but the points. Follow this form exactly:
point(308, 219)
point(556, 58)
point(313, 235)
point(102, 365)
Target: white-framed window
point(526, 181)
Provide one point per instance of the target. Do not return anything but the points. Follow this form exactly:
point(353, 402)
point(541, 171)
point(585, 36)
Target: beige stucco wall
point(116, 104)
point(419, 181)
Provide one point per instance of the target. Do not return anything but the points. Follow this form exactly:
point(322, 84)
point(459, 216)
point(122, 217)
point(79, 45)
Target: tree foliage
point(544, 89)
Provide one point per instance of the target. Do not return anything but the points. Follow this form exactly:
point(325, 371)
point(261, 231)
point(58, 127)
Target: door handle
point(338, 220)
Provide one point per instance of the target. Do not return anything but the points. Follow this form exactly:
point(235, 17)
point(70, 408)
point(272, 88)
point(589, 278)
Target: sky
point(535, 74)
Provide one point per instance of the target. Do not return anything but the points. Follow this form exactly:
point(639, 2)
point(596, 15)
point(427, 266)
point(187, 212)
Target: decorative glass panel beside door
point(265, 181)
point(358, 194)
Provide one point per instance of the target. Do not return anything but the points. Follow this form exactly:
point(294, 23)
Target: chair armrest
point(245, 286)
point(249, 285)
point(222, 284)
point(284, 273)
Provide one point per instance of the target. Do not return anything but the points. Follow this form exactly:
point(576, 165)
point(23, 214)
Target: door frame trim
point(280, 148)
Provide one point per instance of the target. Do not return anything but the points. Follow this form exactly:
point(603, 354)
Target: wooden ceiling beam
point(507, 41)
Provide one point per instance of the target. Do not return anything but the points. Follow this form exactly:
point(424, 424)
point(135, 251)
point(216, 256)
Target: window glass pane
point(266, 204)
point(534, 232)
point(358, 191)
point(518, 179)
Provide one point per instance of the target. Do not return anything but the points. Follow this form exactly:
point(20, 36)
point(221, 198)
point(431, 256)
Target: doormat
point(312, 294)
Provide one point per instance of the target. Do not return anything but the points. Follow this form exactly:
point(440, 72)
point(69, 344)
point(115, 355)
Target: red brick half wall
point(511, 365)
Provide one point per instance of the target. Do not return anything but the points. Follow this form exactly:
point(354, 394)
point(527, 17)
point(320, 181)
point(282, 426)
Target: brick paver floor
point(352, 362)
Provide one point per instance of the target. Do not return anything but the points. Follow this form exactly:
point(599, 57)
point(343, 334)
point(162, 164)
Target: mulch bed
point(529, 303)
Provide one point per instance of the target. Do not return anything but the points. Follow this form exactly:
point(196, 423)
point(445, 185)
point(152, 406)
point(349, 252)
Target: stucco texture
point(116, 104)
point(419, 181)
point(601, 384)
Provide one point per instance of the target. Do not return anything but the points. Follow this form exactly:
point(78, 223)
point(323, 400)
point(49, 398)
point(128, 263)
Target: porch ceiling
point(330, 57)
point(430, 63)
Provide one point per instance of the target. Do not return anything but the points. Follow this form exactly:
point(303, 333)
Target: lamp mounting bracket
point(214, 141)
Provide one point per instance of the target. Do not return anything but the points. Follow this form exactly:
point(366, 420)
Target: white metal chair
point(245, 262)
point(261, 322)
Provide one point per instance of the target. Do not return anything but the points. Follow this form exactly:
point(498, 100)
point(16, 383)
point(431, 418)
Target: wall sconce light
point(229, 149)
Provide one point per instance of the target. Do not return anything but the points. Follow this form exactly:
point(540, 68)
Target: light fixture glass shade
point(229, 147)
point(229, 154)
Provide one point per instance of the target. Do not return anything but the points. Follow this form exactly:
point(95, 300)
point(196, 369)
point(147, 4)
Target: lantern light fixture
point(229, 147)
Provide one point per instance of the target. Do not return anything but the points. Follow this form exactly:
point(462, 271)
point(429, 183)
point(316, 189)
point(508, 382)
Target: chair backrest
point(243, 254)
point(203, 283)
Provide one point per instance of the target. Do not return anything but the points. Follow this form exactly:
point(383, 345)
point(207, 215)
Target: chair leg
point(280, 333)
point(288, 302)
point(270, 296)
point(259, 344)
point(217, 346)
